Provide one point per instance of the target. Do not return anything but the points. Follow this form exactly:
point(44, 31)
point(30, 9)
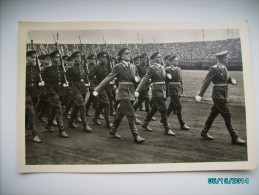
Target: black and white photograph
point(134, 97)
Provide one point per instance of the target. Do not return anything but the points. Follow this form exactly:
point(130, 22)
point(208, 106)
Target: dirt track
point(100, 148)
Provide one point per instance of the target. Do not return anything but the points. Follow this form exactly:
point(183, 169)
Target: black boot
point(114, 133)
point(183, 126)
point(62, 133)
point(87, 128)
point(118, 118)
point(96, 121)
point(138, 139)
point(138, 122)
point(134, 131)
point(204, 133)
point(235, 139)
point(71, 122)
point(108, 122)
point(168, 131)
point(145, 125)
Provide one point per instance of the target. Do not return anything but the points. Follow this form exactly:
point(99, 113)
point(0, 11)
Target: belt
point(158, 83)
point(174, 83)
point(221, 85)
point(125, 83)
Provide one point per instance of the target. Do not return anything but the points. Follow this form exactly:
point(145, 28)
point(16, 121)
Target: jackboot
point(71, 122)
point(183, 126)
point(168, 131)
point(204, 133)
point(87, 128)
point(235, 139)
point(134, 131)
point(118, 118)
point(145, 125)
point(62, 133)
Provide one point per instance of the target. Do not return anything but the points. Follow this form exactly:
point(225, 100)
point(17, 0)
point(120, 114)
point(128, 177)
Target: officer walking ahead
point(157, 74)
point(126, 76)
point(218, 74)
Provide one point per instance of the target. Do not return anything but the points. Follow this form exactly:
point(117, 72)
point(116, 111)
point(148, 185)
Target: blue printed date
point(228, 180)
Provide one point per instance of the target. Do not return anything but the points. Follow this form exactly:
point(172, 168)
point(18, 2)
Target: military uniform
point(32, 93)
point(100, 71)
point(54, 80)
point(125, 73)
point(220, 78)
point(76, 76)
point(143, 95)
point(175, 91)
point(92, 99)
point(157, 74)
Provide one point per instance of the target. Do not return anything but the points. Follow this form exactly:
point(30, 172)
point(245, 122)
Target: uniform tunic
point(174, 86)
point(125, 77)
point(157, 75)
point(218, 75)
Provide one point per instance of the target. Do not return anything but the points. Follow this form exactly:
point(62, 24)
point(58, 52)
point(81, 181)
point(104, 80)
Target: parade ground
point(100, 148)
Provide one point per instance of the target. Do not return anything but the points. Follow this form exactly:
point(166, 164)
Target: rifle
point(62, 63)
point(145, 49)
point(110, 63)
point(157, 48)
point(37, 62)
point(85, 63)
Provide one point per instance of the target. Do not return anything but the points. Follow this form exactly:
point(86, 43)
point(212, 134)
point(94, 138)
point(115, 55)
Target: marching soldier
point(92, 99)
point(175, 90)
point(143, 95)
point(126, 76)
point(100, 71)
point(77, 77)
point(32, 92)
point(157, 74)
point(69, 91)
point(43, 103)
point(54, 80)
point(218, 75)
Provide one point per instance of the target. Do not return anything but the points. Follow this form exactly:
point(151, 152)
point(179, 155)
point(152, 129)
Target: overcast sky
point(131, 36)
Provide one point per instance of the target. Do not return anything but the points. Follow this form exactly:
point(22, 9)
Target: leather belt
point(158, 83)
point(221, 85)
point(174, 83)
point(125, 83)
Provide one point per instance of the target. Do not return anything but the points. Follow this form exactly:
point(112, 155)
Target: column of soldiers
point(63, 93)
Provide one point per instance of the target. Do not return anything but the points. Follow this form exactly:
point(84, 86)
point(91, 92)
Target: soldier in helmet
point(218, 75)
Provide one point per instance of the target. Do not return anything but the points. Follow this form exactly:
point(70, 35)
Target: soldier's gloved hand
point(169, 76)
point(233, 81)
point(136, 94)
point(95, 93)
point(136, 78)
point(198, 98)
point(41, 84)
point(65, 84)
point(87, 84)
